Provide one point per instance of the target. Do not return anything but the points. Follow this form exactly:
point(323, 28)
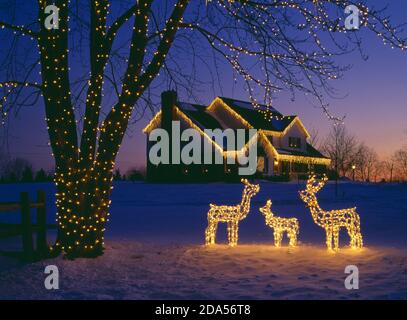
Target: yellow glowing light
point(332, 220)
point(281, 225)
point(261, 136)
point(232, 215)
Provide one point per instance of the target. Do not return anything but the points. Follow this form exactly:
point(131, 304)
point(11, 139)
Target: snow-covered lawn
point(154, 247)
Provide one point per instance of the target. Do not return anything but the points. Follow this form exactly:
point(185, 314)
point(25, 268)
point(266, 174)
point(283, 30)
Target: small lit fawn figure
point(232, 215)
point(281, 225)
point(332, 220)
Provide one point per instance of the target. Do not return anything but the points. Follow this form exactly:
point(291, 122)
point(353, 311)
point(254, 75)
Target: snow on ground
point(154, 247)
point(131, 270)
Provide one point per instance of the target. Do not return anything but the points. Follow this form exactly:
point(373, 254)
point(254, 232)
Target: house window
point(294, 142)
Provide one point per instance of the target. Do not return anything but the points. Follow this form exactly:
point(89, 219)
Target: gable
point(245, 115)
point(296, 127)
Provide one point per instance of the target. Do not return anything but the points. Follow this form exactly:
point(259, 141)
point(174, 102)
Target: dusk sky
point(374, 102)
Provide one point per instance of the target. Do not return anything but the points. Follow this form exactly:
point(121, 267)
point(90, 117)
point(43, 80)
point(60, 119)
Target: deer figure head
point(313, 186)
point(249, 191)
point(266, 210)
point(252, 188)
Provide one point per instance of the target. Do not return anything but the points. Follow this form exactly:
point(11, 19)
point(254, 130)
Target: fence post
point(42, 246)
point(26, 226)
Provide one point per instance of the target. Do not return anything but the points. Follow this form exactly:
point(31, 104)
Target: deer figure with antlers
point(281, 225)
point(332, 220)
point(232, 215)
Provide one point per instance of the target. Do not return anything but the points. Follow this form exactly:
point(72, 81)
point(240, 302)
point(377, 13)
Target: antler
point(311, 181)
point(321, 183)
point(311, 186)
point(245, 181)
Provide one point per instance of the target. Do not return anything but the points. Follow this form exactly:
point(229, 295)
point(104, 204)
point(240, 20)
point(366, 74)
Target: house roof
point(310, 152)
point(245, 109)
point(198, 115)
point(205, 120)
point(253, 115)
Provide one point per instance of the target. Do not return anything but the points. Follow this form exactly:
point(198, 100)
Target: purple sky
point(375, 105)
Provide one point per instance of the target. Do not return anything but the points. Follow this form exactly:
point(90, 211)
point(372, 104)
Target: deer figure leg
point(328, 231)
point(352, 236)
point(355, 238)
point(210, 232)
point(336, 238)
point(277, 238)
point(235, 233)
point(230, 232)
point(292, 235)
point(214, 229)
point(207, 233)
point(358, 240)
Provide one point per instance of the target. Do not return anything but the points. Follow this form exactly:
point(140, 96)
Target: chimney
point(168, 100)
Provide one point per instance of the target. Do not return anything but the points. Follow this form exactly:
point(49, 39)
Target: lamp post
point(353, 169)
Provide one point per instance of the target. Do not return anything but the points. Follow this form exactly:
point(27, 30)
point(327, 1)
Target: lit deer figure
point(230, 214)
point(332, 220)
point(281, 225)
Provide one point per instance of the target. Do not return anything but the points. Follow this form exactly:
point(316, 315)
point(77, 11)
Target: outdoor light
point(230, 214)
point(332, 220)
point(281, 225)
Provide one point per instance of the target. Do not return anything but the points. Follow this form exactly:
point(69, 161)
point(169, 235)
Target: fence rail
point(26, 227)
point(16, 206)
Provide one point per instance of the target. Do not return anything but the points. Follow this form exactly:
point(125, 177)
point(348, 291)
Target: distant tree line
point(351, 158)
point(355, 160)
point(134, 174)
point(21, 170)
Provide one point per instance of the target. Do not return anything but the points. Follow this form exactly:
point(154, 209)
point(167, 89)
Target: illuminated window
point(294, 142)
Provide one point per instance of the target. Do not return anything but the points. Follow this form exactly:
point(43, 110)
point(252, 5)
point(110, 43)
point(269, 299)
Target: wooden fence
point(26, 228)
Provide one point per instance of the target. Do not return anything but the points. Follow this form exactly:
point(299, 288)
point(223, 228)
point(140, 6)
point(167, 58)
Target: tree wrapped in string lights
point(281, 225)
point(231, 215)
point(95, 73)
point(332, 220)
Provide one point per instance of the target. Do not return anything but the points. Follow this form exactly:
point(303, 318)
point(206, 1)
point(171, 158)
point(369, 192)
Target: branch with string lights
point(19, 29)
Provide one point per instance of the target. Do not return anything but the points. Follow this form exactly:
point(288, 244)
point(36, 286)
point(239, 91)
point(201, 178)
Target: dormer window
point(294, 142)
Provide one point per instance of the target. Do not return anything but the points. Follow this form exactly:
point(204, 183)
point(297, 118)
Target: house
point(283, 148)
